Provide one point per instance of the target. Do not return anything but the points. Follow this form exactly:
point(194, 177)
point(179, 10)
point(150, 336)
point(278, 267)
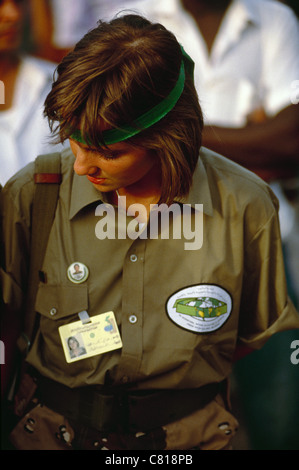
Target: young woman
point(160, 312)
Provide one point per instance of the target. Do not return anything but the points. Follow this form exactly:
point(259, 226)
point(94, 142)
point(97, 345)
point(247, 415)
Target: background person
point(24, 133)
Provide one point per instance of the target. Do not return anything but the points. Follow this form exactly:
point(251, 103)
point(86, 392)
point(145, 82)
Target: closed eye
point(109, 156)
point(104, 153)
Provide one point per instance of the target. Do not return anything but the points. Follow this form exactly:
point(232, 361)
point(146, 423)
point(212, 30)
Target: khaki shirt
point(180, 312)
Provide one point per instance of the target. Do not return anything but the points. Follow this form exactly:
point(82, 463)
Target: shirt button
point(132, 319)
point(133, 258)
point(53, 312)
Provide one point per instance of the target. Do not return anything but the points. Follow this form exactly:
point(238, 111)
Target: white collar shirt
point(24, 132)
point(253, 63)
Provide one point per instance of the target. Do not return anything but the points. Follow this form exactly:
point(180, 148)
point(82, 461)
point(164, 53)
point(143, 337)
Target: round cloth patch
point(201, 308)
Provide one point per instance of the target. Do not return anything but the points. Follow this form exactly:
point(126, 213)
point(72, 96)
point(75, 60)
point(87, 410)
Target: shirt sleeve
point(15, 236)
point(16, 204)
point(266, 308)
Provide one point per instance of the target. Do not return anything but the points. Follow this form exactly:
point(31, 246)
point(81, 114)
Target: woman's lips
point(95, 180)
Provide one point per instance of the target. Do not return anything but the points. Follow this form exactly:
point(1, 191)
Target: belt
point(123, 410)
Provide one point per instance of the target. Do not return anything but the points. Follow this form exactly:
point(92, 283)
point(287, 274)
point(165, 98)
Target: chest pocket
point(61, 302)
point(57, 306)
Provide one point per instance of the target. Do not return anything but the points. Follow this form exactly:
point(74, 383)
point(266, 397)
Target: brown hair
point(117, 72)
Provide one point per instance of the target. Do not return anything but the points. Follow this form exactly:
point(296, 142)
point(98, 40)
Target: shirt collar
point(239, 15)
point(242, 12)
point(250, 7)
point(83, 192)
point(200, 192)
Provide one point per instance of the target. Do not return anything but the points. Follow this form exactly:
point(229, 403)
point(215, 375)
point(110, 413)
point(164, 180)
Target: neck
point(145, 192)
point(208, 16)
point(206, 6)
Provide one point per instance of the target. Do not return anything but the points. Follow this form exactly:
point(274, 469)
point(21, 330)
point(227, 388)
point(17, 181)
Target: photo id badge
point(81, 340)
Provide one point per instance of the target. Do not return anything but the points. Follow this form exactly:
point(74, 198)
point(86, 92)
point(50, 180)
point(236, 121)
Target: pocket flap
point(57, 302)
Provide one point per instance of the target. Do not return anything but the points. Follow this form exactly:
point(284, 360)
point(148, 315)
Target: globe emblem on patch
point(202, 307)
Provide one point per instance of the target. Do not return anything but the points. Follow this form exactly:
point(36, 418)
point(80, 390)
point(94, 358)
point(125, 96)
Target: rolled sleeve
point(266, 308)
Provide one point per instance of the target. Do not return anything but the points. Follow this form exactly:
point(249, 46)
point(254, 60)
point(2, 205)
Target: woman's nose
point(85, 163)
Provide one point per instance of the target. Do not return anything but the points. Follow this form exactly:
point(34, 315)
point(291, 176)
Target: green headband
point(112, 136)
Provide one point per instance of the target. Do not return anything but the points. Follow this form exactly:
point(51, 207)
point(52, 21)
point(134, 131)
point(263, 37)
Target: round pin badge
point(77, 272)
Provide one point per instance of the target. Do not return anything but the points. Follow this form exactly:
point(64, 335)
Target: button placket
point(132, 319)
point(132, 308)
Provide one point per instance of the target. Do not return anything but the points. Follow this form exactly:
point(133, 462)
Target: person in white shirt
point(26, 81)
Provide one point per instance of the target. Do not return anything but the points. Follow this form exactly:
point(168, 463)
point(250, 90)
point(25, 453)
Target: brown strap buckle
point(50, 178)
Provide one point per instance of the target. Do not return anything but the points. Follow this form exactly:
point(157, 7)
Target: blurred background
point(246, 70)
